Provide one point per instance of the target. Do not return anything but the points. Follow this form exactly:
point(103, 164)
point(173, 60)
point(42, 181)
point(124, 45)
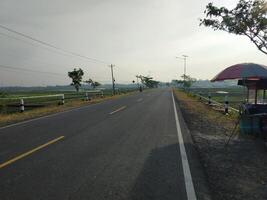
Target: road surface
point(119, 149)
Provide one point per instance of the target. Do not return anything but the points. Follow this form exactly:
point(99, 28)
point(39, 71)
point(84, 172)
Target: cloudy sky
point(138, 36)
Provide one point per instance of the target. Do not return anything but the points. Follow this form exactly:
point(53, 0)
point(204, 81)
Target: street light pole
point(184, 58)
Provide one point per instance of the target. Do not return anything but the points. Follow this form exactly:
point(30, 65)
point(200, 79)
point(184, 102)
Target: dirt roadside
point(235, 172)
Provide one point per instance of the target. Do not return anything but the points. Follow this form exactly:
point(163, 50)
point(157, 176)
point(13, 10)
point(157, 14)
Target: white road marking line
point(119, 109)
point(141, 99)
point(189, 186)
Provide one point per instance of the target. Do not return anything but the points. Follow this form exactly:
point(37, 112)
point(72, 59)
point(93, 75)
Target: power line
point(113, 80)
point(51, 45)
point(30, 70)
point(46, 44)
point(35, 45)
point(5, 67)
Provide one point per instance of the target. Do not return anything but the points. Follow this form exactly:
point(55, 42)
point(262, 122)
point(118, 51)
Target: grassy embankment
point(194, 105)
point(9, 118)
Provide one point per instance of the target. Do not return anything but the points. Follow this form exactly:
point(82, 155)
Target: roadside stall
point(253, 111)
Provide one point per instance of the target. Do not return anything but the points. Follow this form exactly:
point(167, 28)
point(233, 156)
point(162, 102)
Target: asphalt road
point(119, 149)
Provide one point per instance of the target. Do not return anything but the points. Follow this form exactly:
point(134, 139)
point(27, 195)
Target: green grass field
point(235, 95)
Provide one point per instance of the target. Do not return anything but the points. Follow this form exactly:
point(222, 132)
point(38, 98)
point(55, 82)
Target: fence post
point(226, 103)
point(22, 108)
point(102, 94)
point(209, 99)
point(86, 96)
point(63, 99)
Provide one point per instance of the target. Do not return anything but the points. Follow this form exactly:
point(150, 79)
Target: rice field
point(234, 95)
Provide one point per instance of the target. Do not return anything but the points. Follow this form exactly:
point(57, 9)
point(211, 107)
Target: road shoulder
point(197, 170)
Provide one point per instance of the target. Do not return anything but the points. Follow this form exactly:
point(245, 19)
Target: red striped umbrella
point(242, 71)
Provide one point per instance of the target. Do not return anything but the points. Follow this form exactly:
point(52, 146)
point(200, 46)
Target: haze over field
point(139, 37)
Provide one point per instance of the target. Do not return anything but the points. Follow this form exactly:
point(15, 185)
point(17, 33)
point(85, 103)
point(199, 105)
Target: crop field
point(235, 95)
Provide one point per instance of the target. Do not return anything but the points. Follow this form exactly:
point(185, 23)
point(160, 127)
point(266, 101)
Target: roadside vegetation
point(235, 171)
point(193, 104)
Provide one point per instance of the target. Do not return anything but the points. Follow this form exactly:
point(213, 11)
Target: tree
point(93, 84)
point(248, 18)
point(76, 76)
point(149, 82)
point(178, 83)
point(187, 81)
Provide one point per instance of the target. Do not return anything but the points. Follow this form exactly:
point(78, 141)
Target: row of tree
point(186, 82)
point(148, 81)
point(77, 78)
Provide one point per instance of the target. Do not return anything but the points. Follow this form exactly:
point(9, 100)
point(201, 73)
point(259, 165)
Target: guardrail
point(22, 102)
point(225, 105)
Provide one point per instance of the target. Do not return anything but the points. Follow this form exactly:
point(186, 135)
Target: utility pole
point(113, 80)
point(184, 56)
point(137, 80)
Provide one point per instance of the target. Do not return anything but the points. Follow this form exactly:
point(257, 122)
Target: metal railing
point(14, 104)
point(224, 105)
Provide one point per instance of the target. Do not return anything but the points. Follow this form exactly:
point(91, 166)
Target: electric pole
point(184, 56)
point(137, 80)
point(113, 80)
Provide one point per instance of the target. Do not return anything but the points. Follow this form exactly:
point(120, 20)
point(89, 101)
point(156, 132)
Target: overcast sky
point(138, 36)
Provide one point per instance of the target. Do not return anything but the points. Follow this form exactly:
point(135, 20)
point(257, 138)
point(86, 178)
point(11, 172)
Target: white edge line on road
point(141, 99)
point(189, 186)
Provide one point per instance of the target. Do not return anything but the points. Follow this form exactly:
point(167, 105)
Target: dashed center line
point(119, 109)
point(30, 152)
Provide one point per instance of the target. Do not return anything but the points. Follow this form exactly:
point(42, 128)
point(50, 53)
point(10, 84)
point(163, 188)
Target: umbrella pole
point(247, 95)
point(246, 89)
point(264, 95)
point(256, 96)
